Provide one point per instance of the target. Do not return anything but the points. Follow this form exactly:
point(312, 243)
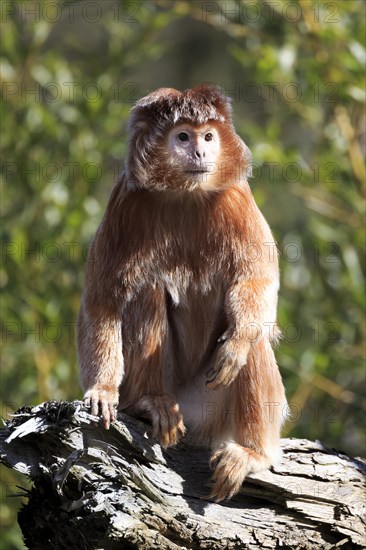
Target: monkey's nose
point(199, 153)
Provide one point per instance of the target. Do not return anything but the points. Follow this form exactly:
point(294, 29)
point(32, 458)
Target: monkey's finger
point(165, 439)
point(215, 459)
point(173, 437)
point(215, 373)
point(159, 425)
point(87, 402)
point(212, 385)
point(228, 375)
point(105, 414)
point(225, 375)
point(217, 381)
point(218, 494)
point(226, 488)
point(173, 431)
point(176, 427)
point(95, 406)
point(181, 428)
point(225, 471)
point(212, 375)
point(112, 412)
point(164, 429)
point(154, 419)
point(223, 486)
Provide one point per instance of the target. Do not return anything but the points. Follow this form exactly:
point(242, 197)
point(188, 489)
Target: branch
point(117, 489)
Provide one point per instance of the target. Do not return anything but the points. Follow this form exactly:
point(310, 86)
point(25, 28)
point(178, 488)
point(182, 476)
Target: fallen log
point(98, 489)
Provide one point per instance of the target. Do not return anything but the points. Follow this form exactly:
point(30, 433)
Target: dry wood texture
point(98, 489)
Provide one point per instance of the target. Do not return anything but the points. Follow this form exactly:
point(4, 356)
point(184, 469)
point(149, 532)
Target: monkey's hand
point(231, 357)
point(164, 414)
point(103, 400)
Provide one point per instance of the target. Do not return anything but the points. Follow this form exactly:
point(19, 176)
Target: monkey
point(178, 314)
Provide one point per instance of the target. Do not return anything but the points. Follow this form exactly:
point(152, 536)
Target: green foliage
point(296, 75)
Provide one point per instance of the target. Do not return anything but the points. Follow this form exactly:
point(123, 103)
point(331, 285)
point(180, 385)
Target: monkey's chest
point(184, 267)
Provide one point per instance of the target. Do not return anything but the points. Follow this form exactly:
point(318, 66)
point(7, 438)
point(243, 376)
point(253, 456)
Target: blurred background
point(70, 72)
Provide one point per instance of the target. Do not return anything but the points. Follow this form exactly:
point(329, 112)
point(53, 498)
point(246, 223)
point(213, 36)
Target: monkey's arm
point(251, 312)
point(99, 339)
point(251, 293)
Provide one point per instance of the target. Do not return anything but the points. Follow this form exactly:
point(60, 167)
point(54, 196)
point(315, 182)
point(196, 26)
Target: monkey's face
point(193, 152)
point(195, 149)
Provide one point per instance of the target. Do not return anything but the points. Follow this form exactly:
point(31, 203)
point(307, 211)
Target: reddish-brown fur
point(180, 297)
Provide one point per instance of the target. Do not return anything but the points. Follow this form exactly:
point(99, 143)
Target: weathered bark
point(117, 489)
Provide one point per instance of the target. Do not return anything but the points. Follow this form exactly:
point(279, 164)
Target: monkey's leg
point(147, 350)
point(260, 408)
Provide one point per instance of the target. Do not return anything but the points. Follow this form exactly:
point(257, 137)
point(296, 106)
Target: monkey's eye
point(208, 137)
point(183, 136)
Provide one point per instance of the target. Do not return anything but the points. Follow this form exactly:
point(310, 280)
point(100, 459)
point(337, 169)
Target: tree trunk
point(98, 489)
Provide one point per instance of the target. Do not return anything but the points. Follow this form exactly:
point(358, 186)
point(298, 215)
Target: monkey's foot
point(165, 416)
point(231, 357)
point(103, 400)
point(231, 463)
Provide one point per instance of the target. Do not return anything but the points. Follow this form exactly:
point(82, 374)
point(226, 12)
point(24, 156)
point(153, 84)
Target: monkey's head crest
point(166, 107)
point(154, 115)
